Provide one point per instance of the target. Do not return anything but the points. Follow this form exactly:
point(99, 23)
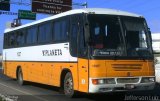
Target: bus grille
point(127, 67)
point(127, 80)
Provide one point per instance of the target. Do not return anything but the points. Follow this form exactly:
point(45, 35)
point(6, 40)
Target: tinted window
point(11, 39)
point(5, 43)
point(105, 31)
point(45, 34)
point(136, 37)
point(20, 38)
point(31, 35)
point(60, 30)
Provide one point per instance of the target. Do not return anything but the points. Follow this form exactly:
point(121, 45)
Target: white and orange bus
point(86, 50)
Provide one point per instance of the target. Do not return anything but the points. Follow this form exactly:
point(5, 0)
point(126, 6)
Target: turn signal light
point(95, 81)
point(103, 81)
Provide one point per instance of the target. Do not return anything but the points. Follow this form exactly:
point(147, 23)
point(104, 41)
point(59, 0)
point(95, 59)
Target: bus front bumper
point(118, 87)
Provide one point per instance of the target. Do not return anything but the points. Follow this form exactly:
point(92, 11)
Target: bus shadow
point(80, 96)
point(119, 96)
point(43, 86)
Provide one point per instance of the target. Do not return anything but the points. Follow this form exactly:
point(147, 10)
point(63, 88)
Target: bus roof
point(76, 11)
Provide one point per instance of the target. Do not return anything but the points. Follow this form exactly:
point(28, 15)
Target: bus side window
point(60, 30)
point(5, 40)
point(12, 40)
point(57, 31)
point(45, 34)
point(20, 38)
point(32, 35)
point(64, 30)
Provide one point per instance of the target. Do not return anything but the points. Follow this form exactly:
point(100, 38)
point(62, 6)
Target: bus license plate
point(129, 86)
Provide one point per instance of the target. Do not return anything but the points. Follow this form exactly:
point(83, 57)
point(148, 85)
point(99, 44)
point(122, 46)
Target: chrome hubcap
point(68, 86)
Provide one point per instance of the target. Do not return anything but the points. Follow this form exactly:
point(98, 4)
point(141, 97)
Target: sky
point(150, 9)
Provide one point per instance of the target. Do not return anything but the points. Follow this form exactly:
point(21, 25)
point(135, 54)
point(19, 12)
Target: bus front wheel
point(68, 85)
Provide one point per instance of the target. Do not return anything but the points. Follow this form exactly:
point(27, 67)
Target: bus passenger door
point(77, 50)
point(82, 58)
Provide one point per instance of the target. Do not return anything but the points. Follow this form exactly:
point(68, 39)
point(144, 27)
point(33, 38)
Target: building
point(156, 49)
point(156, 46)
point(156, 42)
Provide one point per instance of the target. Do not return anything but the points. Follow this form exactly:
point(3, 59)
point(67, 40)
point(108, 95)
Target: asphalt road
point(37, 92)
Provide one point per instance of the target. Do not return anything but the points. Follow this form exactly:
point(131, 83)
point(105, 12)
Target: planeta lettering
point(54, 52)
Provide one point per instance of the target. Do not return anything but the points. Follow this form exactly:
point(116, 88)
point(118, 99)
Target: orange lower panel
point(41, 72)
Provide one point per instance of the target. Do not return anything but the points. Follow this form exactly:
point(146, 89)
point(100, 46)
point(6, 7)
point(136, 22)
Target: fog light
point(151, 79)
point(147, 79)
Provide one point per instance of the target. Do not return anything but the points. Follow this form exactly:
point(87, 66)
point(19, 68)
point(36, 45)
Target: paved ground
point(37, 92)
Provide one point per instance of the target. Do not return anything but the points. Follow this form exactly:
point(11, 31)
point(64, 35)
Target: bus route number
point(18, 54)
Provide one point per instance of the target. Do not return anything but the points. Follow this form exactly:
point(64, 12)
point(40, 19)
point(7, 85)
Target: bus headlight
point(103, 81)
point(147, 79)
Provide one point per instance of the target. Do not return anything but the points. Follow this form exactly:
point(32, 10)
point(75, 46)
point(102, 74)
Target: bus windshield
point(119, 36)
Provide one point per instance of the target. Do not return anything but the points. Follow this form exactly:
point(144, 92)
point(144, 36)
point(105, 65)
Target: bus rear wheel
point(20, 77)
point(68, 85)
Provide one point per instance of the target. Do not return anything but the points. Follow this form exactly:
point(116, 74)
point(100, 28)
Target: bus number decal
point(18, 54)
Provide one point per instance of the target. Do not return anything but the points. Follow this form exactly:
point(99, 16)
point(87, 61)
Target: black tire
point(68, 85)
point(20, 77)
